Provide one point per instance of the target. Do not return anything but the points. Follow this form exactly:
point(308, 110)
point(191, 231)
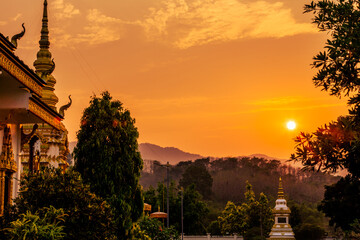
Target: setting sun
point(291, 125)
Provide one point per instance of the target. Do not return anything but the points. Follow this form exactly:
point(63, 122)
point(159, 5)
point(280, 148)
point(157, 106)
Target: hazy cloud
point(101, 28)
point(95, 16)
point(17, 17)
point(195, 22)
point(96, 29)
point(187, 23)
point(64, 10)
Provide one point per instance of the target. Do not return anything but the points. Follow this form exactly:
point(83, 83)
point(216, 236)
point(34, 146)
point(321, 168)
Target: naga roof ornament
point(17, 37)
point(65, 107)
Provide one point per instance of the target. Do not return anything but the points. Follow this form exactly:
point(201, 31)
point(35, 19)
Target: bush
point(156, 231)
point(45, 224)
point(87, 215)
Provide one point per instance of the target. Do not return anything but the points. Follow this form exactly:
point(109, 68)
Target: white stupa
point(281, 229)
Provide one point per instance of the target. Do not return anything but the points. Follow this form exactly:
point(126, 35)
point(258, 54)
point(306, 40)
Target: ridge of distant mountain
point(172, 155)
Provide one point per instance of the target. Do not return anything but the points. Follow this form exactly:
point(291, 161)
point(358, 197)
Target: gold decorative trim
point(7, 162)
point(8, 65)
point(44, 115)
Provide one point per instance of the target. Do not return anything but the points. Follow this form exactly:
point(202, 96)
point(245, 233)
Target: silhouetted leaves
point(336, 146)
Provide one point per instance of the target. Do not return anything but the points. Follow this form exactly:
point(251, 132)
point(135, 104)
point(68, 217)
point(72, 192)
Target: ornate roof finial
point(281, 190)
point(18, 36)
point(44, 65)
point(44, 41)
point(65, 107)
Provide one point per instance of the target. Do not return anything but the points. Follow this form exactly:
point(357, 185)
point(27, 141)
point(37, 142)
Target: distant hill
point(165, 154)
point(174, 155)
point(258, 155)
point(154, 152)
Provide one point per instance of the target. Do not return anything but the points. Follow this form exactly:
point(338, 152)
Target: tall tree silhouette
point(107, 158)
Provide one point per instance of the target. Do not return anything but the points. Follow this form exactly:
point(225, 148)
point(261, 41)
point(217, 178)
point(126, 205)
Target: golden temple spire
point(44, 65)
point(44, 41)
point(281, 190)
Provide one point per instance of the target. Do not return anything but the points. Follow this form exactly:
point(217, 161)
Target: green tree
point(337, 145)
point(195, 212)
point(108, 159)
point(259, 214)
point(45, 224)
point(342, 200)
point(354, 233)
point(307, 222)
point(338, 65)
point(214, 228)
point(310, 231)
point(338, 73)
point(198, 174)
point(150, 198)
point(156, 230)
point(233, 220)
point(266, 215)
point(86, 215)
point(252, 219)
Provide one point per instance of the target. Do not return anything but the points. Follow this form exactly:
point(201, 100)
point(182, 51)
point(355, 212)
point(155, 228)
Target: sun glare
point(291, 125)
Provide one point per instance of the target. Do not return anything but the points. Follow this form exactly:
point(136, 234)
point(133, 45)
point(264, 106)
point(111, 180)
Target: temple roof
point(7, 43)
point(36, 83)
point(16, 69)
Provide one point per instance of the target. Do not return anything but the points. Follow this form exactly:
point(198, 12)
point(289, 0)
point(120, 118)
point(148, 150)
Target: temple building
point(281, 229)
point(49, 145)
point(31, 131)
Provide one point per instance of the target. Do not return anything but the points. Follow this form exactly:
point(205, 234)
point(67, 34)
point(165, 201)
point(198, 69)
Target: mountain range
point(173, 155)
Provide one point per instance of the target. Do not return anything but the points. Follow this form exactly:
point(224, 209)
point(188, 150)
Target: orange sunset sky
point(213, 77)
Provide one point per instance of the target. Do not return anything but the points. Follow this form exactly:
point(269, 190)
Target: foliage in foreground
point(108, 159)
point(45, 224)
point(86, 216)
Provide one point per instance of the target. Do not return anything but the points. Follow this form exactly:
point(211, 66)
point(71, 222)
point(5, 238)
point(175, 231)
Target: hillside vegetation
point(230, 174)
